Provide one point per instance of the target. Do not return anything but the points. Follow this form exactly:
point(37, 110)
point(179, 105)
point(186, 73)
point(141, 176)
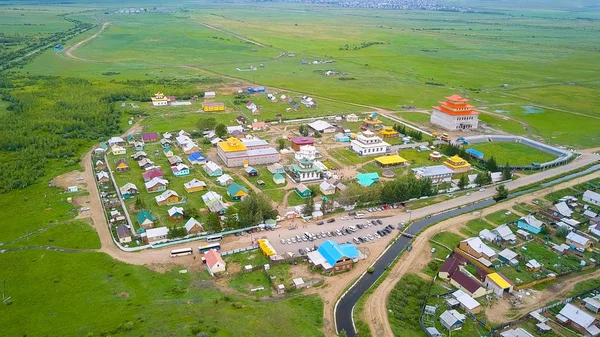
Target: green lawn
point(475, 226)
point(500, 217)
point(548, 258)
point(75, 235)
point(121, 293)
point(513, 153)
point(449, 239)
point(415, 117)
point(295, 200)
point(349, 157)
point(417, 158)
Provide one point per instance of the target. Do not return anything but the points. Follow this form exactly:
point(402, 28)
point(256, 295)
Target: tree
point(309, 207)
point(176, 232)
point(221, 130)
point(343, 334)
point(139, 203)
point(231, 220)
point(562, 232)
point(191, 212)
point(213, 223)
point(463, 182)
point(206, 123)
point(317, 134)
point(502, 193)
point(255, 209)
point(491, 165)
point(481, 178)
point(506, 172)
point(281, 144)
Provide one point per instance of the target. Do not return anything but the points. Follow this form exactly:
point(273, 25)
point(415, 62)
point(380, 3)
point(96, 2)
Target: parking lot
point(343, 230)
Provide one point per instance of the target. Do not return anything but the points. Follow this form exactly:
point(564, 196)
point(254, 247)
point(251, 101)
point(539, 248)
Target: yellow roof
point(456, 161)
point(390, 160)
point(499, 280)
point(389, 131)
point(232, 145)
point(266, 247)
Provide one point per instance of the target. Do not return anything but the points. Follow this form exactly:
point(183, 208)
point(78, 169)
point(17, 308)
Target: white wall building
point(306, 152)
point(455, 114)
point(368, 144)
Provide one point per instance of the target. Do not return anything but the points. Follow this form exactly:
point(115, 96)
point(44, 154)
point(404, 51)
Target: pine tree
point(506, 172)
point(463, 182)
point(213, 223)
point(309, 207)
point(491, 165)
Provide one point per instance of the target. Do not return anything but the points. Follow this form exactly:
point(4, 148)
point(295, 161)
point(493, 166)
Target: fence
point(473, 260)
point(531, 284)
point(239, 250)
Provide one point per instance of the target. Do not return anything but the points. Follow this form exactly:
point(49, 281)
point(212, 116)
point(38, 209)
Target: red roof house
point(154, 173)
point(301, 141)
point(150, 137)
point(214, 262)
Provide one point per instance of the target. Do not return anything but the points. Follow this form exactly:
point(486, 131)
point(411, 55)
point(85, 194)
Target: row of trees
point(398, 190)
point(416, 135)
point(210, 123)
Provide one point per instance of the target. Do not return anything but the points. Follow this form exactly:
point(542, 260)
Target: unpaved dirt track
point(375, 313)
point(70, 50)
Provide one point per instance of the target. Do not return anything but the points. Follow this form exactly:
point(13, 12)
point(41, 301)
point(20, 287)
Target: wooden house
point(146, 219)
point(175, 213)
point(168, 197)
point(122, 166)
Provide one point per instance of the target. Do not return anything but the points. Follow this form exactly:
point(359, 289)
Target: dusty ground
point(375, 313)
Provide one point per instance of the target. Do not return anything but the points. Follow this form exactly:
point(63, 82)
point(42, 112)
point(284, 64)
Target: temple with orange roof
point(455, 114)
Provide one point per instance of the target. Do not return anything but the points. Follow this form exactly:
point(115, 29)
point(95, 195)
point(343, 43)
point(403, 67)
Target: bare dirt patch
point(73, 178)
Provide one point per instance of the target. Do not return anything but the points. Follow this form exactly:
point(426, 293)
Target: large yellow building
point(213, 106)
point(159, 99)
point(393, 160)
point(457, 164)
point(388, 132)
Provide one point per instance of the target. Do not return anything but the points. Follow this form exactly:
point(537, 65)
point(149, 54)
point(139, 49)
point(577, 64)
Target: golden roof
point(232, 144)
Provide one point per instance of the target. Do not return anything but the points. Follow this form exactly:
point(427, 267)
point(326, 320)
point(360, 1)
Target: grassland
point(513, 153)
point(64, 286)
point(500, 217)
point(471, 52)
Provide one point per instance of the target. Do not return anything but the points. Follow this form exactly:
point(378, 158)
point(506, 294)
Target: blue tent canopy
point(475, 153)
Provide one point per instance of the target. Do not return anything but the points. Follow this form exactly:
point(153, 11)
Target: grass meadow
point(547, 61)
point(513, 153)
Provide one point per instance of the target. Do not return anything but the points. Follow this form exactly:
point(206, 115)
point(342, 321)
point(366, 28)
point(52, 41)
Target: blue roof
point(367, 179)
point(475, 153)
point(333, 252)
point(196, 156)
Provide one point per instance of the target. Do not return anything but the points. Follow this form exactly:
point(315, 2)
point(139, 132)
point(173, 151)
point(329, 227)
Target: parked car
point(379, 222)
point(357, 241)
point(293, 240)
point(330, 220)
point(289, 241)
point(304, 239)
point(302, 251)
point(329, 234)
point(320, 223)
point(282, 241)
point(374, 223)
point(409, 248)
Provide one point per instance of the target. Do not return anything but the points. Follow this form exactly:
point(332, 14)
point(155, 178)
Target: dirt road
point(375, 313)
point(239, 37)
point(70, 50)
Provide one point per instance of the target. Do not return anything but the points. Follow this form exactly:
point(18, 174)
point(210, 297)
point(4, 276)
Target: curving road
point(345, 306)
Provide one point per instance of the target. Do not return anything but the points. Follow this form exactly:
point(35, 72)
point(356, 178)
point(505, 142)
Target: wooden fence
point(473, 260)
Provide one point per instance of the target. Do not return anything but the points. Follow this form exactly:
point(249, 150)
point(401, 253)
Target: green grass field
point(500, 217)
point(513, 153)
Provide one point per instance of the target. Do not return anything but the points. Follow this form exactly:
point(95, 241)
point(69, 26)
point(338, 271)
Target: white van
point(359, 216)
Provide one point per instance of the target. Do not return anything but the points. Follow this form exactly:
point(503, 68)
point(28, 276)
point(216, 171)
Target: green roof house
point(146, 219)
point(236, 192)
point(303, 191)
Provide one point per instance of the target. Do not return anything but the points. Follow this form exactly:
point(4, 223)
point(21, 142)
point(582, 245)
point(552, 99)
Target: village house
point(196, 158)
point(231, 129)
point(121, 165)
point(592, 303)
point(189, 148)
point(352, 118)
point(367, 179)
point(449, 267)
point(101, 149)
point(469, 285)
point(466, 302)
point(102, 177)
point(508, 256)
point(156, 185)
point(139, 155)
point(151, 174)
point(212, 169)
point(150, 137)
point(518, 332)
point(303, 191)
point(438, 174)
point(157, 234)
point(455, 114)
point(279, 179)
point(194, 185)
point(452, 320)
point(128, 190)
point(100, 165)
point(138, 145)
point(175, 160)
point(165, 143)
point(591, 197)
point(236, 191)
point(234, 152)
point(563, 209)
point(180, 170)
point(259, 126)
point(331, 256)
point(192, 226)
point(499, 284)
point(533, 265)
point(225, 180)
point(116, 141)
point(145, 163)
point(321, 127)
point(210, 94)
point(579, 320)
point(118, 150)
point(168, 152)
point(368, 144)
point(326, 188)
point(123, 233)
point(214, 262)
point(530, 224)
point(476, 248)
point(214, 202)
point(276, 168)
point(175, 213)
point(146, 219)
point(251, 171)
point(213, 106)
point(577, 241)
point(168, 197)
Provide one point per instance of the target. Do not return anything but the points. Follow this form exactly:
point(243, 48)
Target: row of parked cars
point(381, 232)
